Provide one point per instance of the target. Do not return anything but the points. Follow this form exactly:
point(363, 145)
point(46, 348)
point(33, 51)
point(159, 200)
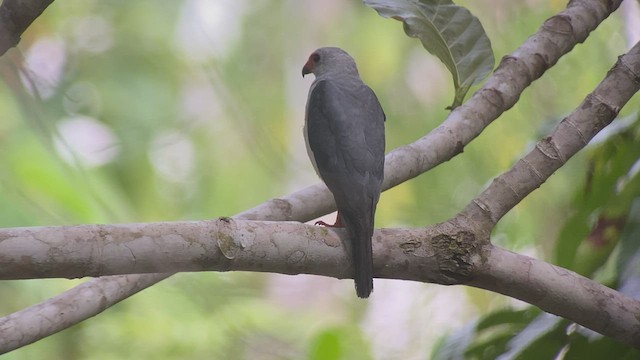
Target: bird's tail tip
point(364, 288)
point(363, 260)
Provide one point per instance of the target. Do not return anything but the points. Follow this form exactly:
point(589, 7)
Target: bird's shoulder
point(345, 129)
point(339, 88)
point(340, 98)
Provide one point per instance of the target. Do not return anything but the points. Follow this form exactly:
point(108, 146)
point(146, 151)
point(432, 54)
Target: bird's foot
point(322, 223)
point(337, 224)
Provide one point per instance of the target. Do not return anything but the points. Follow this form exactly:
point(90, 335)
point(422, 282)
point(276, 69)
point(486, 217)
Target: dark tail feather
point(361, 231)
point(363, 261)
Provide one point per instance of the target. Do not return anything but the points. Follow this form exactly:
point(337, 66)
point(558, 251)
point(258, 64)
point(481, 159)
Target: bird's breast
point(312, 157)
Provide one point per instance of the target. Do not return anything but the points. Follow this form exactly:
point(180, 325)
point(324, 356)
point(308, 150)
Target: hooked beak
point(308, 67)
point(305, 70)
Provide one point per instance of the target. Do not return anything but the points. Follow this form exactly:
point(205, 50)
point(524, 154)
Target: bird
point(345, 136)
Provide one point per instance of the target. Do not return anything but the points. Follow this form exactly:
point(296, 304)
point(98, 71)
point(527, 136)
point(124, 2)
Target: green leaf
point(542, 339)
point(485, 337)
point(600, 348)
point(327, 346)
point(628, 260)
point(454, 346)
point(514, 318)
point(339, 343)
point(447, 31)
point(602, 204)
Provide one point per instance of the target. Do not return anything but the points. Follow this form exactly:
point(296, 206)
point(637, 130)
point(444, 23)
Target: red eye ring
point(315, 57)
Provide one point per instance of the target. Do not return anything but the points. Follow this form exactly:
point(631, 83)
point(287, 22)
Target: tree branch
point(69, 308)
point(516, 72)
point(557, 36)
point(444, 253)
point(598, 110)
point(15, 18)
point(224, 244)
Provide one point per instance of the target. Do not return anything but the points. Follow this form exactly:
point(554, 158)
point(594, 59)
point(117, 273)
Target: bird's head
point(330, 60)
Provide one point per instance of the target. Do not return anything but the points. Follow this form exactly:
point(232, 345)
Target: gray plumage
point(344, 131)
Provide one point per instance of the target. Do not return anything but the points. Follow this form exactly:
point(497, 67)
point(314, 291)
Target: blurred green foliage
point(174, 110)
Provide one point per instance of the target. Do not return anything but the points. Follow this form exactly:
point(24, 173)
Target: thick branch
point(15, 18)
point(444, 253)
point(219, 245)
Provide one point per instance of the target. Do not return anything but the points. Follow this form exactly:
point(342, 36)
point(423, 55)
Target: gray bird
point(344, 132)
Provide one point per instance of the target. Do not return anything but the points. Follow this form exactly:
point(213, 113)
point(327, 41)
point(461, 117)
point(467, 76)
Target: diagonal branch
point(573, 133)
point(561, 292)
point(555, 38)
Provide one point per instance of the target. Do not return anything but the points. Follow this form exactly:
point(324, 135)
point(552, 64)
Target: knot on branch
point(455, 251)
point(226, 242)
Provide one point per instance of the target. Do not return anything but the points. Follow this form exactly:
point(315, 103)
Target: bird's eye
point(315, 57)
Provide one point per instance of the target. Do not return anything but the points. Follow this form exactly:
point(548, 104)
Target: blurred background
point(119, 111)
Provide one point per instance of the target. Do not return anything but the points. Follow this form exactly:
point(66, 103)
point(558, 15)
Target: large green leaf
point(338, 343)
point(486, 337)
point(601, 347)
point(628, 259)
point(601, 205)
point(543, 338)
point(447, 31)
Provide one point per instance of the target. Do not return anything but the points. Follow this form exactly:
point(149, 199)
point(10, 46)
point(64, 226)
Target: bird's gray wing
point(345, 125)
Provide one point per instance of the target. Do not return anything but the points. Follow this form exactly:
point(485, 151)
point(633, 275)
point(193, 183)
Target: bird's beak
point(305, 70)
point(308, 67)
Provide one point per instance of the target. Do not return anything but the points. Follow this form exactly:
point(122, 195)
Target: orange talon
point(338, 222)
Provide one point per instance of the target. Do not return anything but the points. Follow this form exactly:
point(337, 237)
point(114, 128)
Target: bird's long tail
point(360, 230)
